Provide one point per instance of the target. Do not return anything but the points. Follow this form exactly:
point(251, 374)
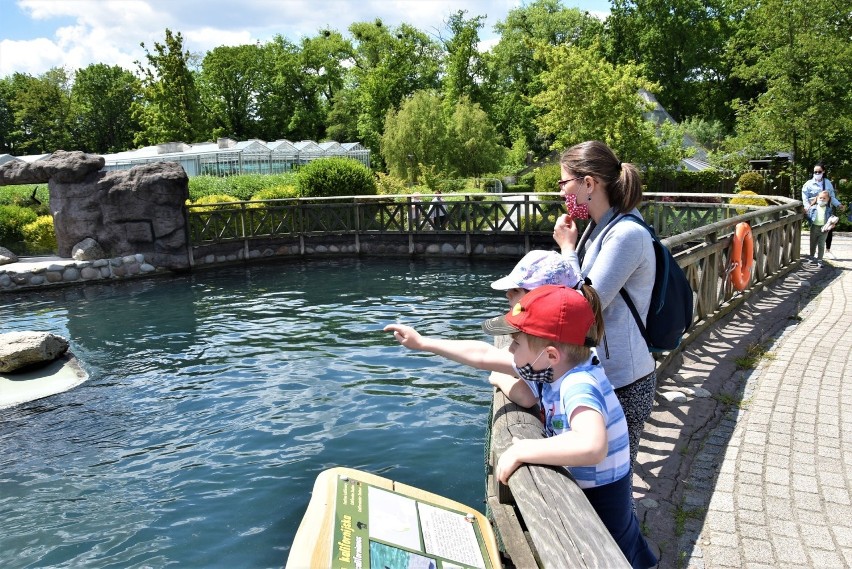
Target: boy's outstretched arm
point(474, 353)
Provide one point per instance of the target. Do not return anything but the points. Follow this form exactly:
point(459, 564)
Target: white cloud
point(110, 31)
point(28, 56)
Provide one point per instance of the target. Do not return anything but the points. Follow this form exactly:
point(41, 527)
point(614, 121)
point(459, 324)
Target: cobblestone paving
point(754, 468)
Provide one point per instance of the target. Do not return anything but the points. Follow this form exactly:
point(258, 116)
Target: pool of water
point(215, 399)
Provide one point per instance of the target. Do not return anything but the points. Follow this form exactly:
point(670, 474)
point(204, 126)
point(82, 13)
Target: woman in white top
point(612, 255)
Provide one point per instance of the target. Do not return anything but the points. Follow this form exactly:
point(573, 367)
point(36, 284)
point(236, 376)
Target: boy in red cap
point(552, 364)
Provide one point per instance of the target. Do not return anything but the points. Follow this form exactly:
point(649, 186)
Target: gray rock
point(87, 250)
point(136, 211)
point(7, 256)
point(22, 349)
point(61, 166)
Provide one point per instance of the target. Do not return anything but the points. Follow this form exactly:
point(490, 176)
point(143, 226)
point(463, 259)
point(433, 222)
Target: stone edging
point(75, 272)
point(67, 272)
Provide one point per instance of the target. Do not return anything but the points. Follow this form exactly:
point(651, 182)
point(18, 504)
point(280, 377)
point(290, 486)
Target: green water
point(214, 399)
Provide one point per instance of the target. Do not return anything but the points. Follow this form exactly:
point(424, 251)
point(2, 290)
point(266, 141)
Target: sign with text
point(379, 528)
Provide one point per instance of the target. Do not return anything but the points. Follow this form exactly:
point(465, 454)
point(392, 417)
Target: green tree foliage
point(459, 141)
point(388, 65)
point(473, 142)
point(587, 98)
point(229, 84)
point(514, 77)
point(464, 66)
point(101, 102)
point(7, 116)
point(799, 55)
point(323, 62)
point(170, 108)
point(416, 134)
point(41, 107)
point(277, 98)
point(328, 177)
point(680, 44)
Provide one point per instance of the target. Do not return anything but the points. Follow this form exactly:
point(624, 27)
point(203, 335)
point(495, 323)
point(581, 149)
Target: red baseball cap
point(552, 312)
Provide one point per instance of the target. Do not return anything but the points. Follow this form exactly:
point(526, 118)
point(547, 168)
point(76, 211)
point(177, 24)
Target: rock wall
point(136, 211)
point(15, 278)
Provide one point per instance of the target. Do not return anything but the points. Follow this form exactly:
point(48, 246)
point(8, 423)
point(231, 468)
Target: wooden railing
point(542, 518)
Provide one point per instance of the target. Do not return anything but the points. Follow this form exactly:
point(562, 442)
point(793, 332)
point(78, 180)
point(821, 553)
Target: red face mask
point(576, 210)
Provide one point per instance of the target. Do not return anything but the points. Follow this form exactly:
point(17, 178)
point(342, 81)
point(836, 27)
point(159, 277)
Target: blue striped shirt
point(586, 385)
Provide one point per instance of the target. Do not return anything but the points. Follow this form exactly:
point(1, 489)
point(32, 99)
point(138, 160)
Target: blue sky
point(36, 35)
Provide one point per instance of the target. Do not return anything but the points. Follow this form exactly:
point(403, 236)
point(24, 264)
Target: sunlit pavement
point(754, 468)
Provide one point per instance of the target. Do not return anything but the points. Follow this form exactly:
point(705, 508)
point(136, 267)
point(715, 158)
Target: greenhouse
point(227, 157)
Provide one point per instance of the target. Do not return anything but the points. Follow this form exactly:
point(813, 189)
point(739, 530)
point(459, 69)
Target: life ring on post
point(742, 256)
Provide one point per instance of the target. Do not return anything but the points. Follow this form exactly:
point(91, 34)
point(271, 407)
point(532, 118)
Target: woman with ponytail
point(596, 185)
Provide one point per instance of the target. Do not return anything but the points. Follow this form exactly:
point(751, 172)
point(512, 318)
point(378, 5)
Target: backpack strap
point(623, 292)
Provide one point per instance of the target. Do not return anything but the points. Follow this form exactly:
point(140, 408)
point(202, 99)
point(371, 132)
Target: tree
point(41, 107)
point(229, 84)
point(170, 108)
point(8, 141)
point(680, 44)
point(277, 98)
point(388, 65)
point(102, 98)
point(474, 145)
point(416, 134)
point(799, 54)
point(464, 67)
point(514, 75)
point(584, 97)
point(422, 134)
point(322, 62)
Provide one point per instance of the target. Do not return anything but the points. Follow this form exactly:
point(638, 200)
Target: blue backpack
point(670, 312)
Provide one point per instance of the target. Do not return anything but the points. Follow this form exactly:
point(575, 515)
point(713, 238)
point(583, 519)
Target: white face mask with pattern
point(818, 177)
point(822, 202)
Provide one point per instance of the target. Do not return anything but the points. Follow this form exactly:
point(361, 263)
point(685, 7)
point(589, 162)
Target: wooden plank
point(563, 527)
point(511, 534)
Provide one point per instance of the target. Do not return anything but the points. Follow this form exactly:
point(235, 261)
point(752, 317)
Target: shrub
point(546, 178)
point(328, 177)
point(13, 219)
point(745, 198)
point(22, 195)
point(39, 235)
point(241, 187)
point(387, 185)
point(453, 185)
point(750, 182)
point(213, 199)
point(275, 193)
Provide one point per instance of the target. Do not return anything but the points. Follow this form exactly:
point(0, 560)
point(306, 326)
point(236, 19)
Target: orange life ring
point(742, 256)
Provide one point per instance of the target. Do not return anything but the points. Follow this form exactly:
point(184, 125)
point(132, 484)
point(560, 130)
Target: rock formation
point(22, 349)
point(140, 210)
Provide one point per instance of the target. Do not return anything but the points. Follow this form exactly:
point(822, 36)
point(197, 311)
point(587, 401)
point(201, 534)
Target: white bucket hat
point(539, 268)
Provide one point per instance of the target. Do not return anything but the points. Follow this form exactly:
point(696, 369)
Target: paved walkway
point(754, 469)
